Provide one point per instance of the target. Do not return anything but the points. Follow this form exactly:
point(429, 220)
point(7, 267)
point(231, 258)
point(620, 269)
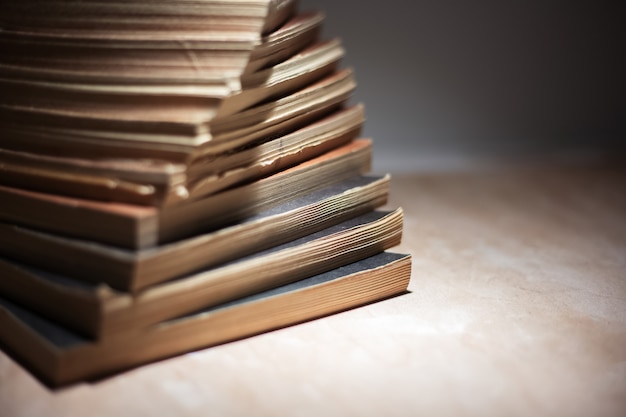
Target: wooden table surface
point(517, 306)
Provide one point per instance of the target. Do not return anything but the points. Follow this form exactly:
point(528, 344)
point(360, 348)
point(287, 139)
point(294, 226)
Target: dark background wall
point(449, 81)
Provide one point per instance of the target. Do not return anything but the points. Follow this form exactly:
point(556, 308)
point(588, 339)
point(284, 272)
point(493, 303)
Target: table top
point(517, 306)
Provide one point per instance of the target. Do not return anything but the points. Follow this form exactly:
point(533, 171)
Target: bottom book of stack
point(59, 356)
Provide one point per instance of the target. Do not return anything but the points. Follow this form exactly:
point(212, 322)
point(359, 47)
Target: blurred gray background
point(448, 84)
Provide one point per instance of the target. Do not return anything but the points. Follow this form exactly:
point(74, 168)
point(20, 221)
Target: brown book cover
point(132, 270)
point(159, 183)
point(103, 313)
point(59, 356)
point(141, 227)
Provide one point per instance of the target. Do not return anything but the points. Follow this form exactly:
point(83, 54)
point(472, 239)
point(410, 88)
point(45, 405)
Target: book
point(40, 33)
point(141, 227)
point(174, 176)
point(151, 182)
point(59, 356)
point(136, 61)
point(133, 270)
point(47, 107)
point(101, 312)
point(117, 135)
point(302, 30)
point(173, 113)
point(33, 60)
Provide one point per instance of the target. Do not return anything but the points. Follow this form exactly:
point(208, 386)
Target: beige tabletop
point(517, 306)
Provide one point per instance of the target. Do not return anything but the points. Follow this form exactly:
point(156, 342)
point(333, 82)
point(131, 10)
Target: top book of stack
point(157, 103)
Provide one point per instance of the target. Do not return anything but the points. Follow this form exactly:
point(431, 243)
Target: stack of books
point(175, 175)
